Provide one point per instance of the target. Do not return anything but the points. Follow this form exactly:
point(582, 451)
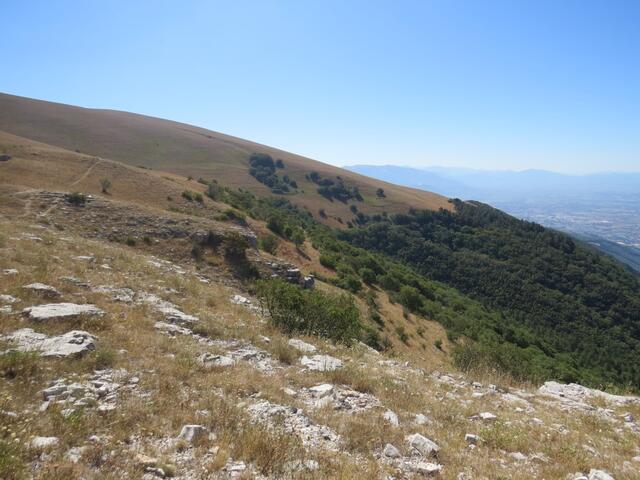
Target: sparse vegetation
point(77, 198)
point(105, 185)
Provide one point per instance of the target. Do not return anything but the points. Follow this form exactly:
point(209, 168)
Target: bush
point(329, 260)
point(105, 184)
point(269, 243)
point(410, 297)
point(380, 193)
point(438, 344)
point(368, 276)
point(275, 224)
point(235, 246)
point(312, 312)
point(77, 198)
point(187, 195)
point(297, 236)
point(130, 241)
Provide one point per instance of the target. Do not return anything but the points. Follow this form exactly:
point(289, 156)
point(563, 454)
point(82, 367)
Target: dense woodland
point(577, 305)
point(512, 295)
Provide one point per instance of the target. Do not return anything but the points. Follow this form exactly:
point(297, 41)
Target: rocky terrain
point(121, 363)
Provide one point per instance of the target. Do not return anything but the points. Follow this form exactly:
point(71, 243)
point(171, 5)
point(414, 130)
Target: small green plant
point(105, 185)
point(130, 241)
point(10, 464)
point(438, 344)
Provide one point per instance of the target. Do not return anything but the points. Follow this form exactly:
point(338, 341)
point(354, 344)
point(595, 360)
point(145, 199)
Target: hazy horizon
point(494, 84)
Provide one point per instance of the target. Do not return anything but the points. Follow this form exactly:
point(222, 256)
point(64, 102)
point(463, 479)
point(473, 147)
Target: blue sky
point(483, 84)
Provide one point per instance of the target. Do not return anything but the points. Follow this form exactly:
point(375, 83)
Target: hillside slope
point(191, 151)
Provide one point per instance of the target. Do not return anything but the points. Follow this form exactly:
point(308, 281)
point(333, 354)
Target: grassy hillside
point(191, 151)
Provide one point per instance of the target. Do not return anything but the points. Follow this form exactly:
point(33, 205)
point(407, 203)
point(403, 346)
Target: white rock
point(487, 416)
point(240, 300)
point(471, 439)
point(321, 363)
point(6, 299)
point(61, 310)
point(74, 454)
point(391, 451)
point(211, 360)
point(191, 433)
point(428, 469)
point(84, 258)
point(422, 444)
point(320, 391)
point(636, 459)
point(42, 289)
point(421, 419)
point(576, 392)
point(9, 271)
point(302, 346)
point(41, 443)
point(517, 456)
point(74, 342)
point(391, 417)
point(599, 475)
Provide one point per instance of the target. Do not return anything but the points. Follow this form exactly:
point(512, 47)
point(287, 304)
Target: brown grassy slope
point(188, 150)
point(39, 166)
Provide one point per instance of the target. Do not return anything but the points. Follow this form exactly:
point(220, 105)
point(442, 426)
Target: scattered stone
point(240, 300)
point(487, 416)
point(47, 291)
point(321, 363)
point(518, 456)
point(124, 295)
point(170, 311)
point(75, 281)
point(9, 271)
point(210, 360)
point(302, 346)
point(599, 474)
point(321, 391)
point(428, 469)
point(421, 419)
point(390, 451)
point(422, 444)
point(6, 299)
point(84, 258)
point(42, 443)
point(145, 461)
point(191, 433)
point(74, 454)
point(391, 417)
point(53, 311)
point(471, 439)
point(171, 329)
point(75, 342)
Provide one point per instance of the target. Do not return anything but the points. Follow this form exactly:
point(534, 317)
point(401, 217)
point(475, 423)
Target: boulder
point(321, 391)
point(428, 469)
point(72, 343)
point(321, 363)
point(422, 444)
point(7, 299)
point(487, 416)
point(577, 393)
point(471, 439)
point(54, 311)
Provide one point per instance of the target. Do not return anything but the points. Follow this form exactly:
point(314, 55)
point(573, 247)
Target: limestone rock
point(599, 475)
point(46, 291)
point(54, 311)
point(321, 363)
point(190, 433)
point(74, 342)
point(428, 469)
point(7, 299)
point(471, 439)
point(302, 346)
point(211, 360)
point(390, 451)
point(422, 444)
point(391, 417)
point(41, 443)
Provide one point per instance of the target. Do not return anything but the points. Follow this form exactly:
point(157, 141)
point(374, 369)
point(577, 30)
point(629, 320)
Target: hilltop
point(195, 152)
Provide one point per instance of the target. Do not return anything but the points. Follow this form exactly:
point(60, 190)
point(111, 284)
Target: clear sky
point(487, 84)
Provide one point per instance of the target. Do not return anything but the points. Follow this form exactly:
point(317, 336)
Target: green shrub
point(268, 243)
point(309, 311)
point(130, 241)
point(368, 276)
point(438, 344)
point(235, 246)
point(410, 297)
point(329, 260)
point(187, 195)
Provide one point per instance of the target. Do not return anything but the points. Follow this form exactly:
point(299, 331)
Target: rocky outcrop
point(321, 363)
point(56, 311)
point(75, 342)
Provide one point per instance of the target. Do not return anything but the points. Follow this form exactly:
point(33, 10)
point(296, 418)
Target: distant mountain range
point(601, 208)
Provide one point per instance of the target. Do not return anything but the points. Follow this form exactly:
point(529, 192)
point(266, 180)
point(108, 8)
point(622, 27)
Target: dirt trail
point(86, 173)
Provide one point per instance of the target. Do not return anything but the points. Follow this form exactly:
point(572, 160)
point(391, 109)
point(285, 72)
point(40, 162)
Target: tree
point(380, 193)
point(297, 237)
point(105, 183)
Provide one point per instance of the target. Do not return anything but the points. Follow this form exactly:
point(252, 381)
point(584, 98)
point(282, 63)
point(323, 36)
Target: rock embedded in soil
point(55, 311)
point(301, 346)
point(72, 343)
point(47, 291)
point(422, 444)
point(321, 363)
